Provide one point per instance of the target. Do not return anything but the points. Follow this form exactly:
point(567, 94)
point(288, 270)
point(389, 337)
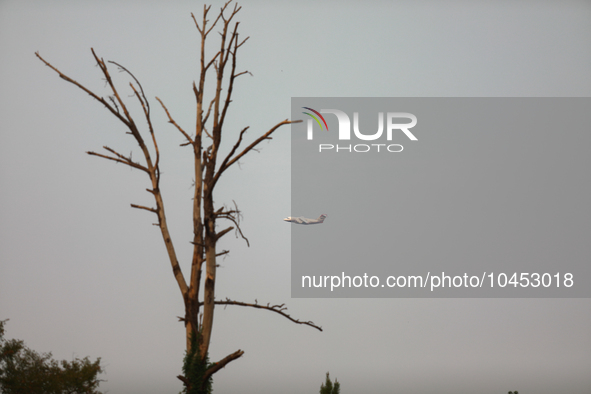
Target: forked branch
point(234, 216)
point(93, 95)
point(118, 108)
point(229, 160)
point(120, 159)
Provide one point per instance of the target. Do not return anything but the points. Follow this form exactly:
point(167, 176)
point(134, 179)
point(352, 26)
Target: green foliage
point(329, 388)
point(24, 371)
point(194, 369)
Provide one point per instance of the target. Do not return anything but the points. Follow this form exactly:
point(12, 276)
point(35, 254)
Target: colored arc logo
point(315, 118)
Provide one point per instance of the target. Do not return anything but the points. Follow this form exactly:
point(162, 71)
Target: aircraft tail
point(321, 218)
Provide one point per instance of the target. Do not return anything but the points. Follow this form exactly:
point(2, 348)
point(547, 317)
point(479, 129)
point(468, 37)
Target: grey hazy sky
point(84, 274)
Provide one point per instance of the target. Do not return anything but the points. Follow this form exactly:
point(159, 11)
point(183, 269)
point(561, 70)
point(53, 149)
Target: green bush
point(24, 371)
point(329, 388)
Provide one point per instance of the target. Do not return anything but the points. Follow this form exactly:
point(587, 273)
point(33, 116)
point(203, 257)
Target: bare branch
point(143, 97)
point(195, 20)
point(212, 61)
point(146, 107)
point(130, 123)
point(242, 73)
point(146, 208)
point(207, 114)
point(265, 136)
point(171, 120)
point(234, 148)
point(275, 308)
point(242, 43)
point(93, 95)
point(118, 154)
point(206, 132)
point(112, 100)
point(156, 149)
point(185, 381)
point(221, 364)
point(234, 216)
point(123, 160)
point(223, 232)
point(233, 72)
point(205, 12)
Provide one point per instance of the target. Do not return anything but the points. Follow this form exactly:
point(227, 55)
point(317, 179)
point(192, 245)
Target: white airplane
point(302, 220)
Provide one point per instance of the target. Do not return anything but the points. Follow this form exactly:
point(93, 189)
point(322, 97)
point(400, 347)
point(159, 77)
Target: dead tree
point(205, 144)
